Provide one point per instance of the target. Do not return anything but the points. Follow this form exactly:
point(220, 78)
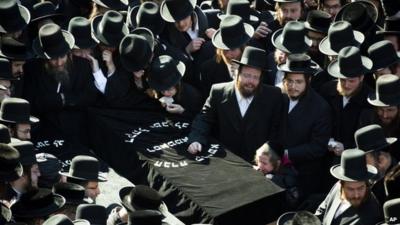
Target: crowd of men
point(307, 90)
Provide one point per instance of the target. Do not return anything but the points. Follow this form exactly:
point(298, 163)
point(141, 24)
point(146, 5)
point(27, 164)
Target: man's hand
point(210, 32)
point(338, 149)
point(175, 108)
point(107, 58)
point(262, 31)
point(194, 45)
point(194, 148)
point(94, 63)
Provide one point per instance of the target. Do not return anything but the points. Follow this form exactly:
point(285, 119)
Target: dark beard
point(60, 76)
point(245, 93)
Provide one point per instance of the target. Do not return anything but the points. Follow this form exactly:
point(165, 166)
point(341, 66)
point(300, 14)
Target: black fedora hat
point(361, 14)
point(165, 72)
point(14, 17)
point(95, 214)
point(292, 38)
point(16, 110)
point(383, 54)
point(60, 219)
point(299, 63)
point(391, 212)
point(27, 152)
point(4, 134)
point(6, 70)
point(372, 138)
point(10, 167)
point(140, 197)
point(14, 50)
point(37, 203)
point(52, 42)
point(391, 26)
point(340, 35)
point(232, 33)
point(146, 15)
point(176, 10)
point(298, 218)
point(74, 194)
point(240, 8)
point(147, 34)
point(45, 10)
point(84, 167)
point(145, 217)
point(253, 57)
point(353, 167)
point(6, 214)
point(109, 28)
point(50, 167)
point(350, 63)
point(119, 5)
point(80, 28)
point(387, 91)
point(318, 21)
point(135, 52)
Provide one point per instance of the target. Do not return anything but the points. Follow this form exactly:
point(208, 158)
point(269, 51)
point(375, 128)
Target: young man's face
point(316, 38)
point(92, 190)
point(387, 114)
point(35, 174)
point(184, 24)
point(17, 68)
point(290, 11)
point(332, 7)
point(23, 131)
point(248, 81)
point(294, 85)
point(354, 192)
point(5, 93)
point(348, 87)
point(264, 164)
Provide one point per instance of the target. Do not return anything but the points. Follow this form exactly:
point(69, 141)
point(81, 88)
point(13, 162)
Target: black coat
point(221, 119)
point(305, 134)
point(213, 72)
point(369, 213)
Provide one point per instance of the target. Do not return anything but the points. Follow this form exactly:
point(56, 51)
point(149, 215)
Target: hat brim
point(118, 4)
point(86, 43)
point(19, 210)
point(252, 18)
point(26, 16)
point(286, 218)
point(218, 42)
point(370, 7)
point(338, 172)
point(100, 178)
point(325, 44)
point(164, 86)
point(17, 57)
point(166, 14)
point(13, 174)
point(334, 69)
point(99, 36)
point(310, 70)
point(375, 68)
point(388, 32)
point(68, 37)
point(277, 42)
point(308, 26)
point(375, 101)
point(147, 33)
point(32, 120)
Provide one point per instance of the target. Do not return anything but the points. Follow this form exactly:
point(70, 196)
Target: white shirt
point(194, 33)
point(345, 101)
point(292, 104)
point(279, 78)
point(344, 205)
point(100, 81)
point(243, 102)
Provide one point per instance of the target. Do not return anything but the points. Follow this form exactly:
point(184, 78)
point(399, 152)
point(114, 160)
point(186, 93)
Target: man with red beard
point(306, 125)
point(351, 201)
point(242, 114)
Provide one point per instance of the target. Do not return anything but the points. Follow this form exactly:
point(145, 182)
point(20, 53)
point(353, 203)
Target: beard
point(247, 90)
point(60, 74)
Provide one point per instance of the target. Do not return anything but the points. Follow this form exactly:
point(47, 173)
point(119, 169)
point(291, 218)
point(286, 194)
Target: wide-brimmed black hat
point(4, 134)
point(6, 70)
point(15, 17)
point(86, 168)
point(119, 5)
point(299, 63)
point(353, 167)
point(80, 28)
point(60, 219)
point(135, 52)
point(232, 33)
point(391, 212)
point(6, 214)
point(52, 42)
point(387, 91)
point(350, 63)
point(140, 197)
point(296, 218)
point(16, 110)
point(10, 167)
point(292, 38)
point(361, 14)
point(14, 50)
point(176, 10)
point(340, 35)
point(27, 152)
point(110, 28)
point(253, 57)
point(240, 8)
point(95, 214)
point(147, 15)
point(37, 203)
point(74, 194)
point(383, 54)
point(147, 34)
point(50, 167)
point(318, 21)
point(372, 138)
point(165, 72)
point(44, 10)
point(391, 26)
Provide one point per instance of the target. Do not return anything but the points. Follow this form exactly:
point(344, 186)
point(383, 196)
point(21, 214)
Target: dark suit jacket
point(305, 134)
point(221, 118)
point(213, 73)
point(369, 213)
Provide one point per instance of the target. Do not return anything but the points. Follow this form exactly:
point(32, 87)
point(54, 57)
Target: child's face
point(264, 164)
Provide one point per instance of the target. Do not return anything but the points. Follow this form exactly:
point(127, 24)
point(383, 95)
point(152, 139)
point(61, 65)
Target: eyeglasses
point(293, 82)
point(250, 76)
point(331, 7)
